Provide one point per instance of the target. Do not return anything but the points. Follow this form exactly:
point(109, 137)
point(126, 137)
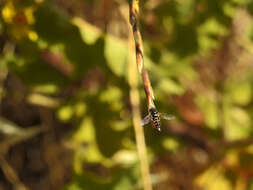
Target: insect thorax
point(154, 114)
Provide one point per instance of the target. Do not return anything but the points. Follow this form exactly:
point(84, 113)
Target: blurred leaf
point(112, 93)
point(241, 93)
point(237, 123)
point(54, 28)
point(42, 100)
point(8, 12)
point(208, 34)
point(65, 113)
point(29, 66)
point(185, 11)
point(230, 9)
point(85, 140)
point(80, 109)
point(72, 110)
point(116, 53)
point(213, 179)
point(89, 33)
point(170, 87)
point(173, 66)
point(209, 107)
point(126, 157)
point(170, 144)
point(124, 179)
point(104, 115)
point(45, 89)
point(112, 96)
point(109, 140)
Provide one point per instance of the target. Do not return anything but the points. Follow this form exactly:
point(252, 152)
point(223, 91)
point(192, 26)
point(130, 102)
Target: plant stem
point(135, 103)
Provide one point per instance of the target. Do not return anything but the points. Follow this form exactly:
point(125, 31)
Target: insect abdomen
point(155, 118)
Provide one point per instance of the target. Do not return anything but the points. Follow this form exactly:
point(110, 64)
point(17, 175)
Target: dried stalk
point(154, 115)
point(135, 97)
point(139, 134)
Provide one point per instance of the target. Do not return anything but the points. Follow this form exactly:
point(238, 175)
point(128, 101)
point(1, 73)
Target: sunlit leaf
point(113, 97)
point(237, 123)
point(170, 144)
point(89, 33)
point(8, 12)
point(208, 34)
point(116, 53)
point(80, 109)
point(229, 9)
point(42, 100)
point(170, 87)
point(242, 93)
point(213, 179)
point(65, 113)
point(126, 157)
point(85, 140)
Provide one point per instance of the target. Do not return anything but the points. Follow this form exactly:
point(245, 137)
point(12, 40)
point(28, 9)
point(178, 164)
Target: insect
point(154, 117)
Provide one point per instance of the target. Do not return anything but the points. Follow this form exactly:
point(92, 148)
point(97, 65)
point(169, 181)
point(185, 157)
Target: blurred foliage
point(71, 59)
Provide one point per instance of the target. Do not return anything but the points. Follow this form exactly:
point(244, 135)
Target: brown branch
point(11, 175)
point(135, 103)
point(133, 17)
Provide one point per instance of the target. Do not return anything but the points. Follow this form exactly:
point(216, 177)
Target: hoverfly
point(154, 117)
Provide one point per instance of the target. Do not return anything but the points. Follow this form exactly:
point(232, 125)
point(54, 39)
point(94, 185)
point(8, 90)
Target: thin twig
point(15, 134)
point(11, 175)
point(135, 99)
point(153, 115)
point(139, 134)
point(134, 11)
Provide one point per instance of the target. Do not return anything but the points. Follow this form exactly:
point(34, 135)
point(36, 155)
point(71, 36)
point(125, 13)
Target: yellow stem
point(135, 102)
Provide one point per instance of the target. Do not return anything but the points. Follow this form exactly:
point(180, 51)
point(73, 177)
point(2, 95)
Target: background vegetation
point(65, 113)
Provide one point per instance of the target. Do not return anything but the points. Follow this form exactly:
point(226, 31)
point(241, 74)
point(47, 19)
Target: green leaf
point(241, 93)
point(123, 179)
point(209, 107)
point(170, 87)
point(65, 113)
point(89, 33)
point(126, 157)
point(214, 179)
point(237, 123)
point(42, 100)
point(208, 34)
point(54, 28)
point(116, 53)
point(86, 135)
point(170, 144)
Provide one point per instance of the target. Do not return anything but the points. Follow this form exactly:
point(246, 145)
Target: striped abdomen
point(155, 118)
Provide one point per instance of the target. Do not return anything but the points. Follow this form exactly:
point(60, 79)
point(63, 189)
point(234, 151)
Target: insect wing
point(146, 120)
point(166, 116)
